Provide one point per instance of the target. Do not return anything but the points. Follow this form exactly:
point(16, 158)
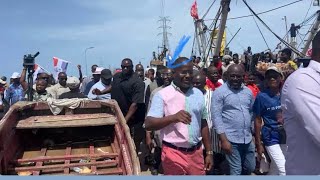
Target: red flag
point(194, 10)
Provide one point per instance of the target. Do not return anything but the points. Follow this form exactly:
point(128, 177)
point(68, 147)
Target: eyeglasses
point(126, 67)
point(186, 72)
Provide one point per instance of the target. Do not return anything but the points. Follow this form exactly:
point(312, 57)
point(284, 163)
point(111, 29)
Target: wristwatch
point(209, 152)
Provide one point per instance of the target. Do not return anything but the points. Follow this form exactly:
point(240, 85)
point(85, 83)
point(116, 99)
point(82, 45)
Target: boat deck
point(95, 157)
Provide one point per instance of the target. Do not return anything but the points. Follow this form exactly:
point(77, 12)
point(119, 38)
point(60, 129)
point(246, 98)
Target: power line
point(270, 10)
point(208, 9)
point(264, 39)
point(305, 17)
point(283, 41)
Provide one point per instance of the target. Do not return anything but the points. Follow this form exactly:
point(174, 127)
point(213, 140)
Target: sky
point(118, 29)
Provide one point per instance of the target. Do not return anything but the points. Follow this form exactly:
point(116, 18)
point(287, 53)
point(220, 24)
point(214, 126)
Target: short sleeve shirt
point(268, 107)
point(128, 90)
point(171, 100)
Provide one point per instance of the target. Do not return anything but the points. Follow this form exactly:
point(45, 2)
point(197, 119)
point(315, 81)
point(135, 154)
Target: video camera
point(29, 60)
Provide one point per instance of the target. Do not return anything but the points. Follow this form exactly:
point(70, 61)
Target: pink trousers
point(176, 162)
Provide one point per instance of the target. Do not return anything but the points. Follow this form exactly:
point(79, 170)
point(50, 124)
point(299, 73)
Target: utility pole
point(225, 4)
point(165, 41)
point(312, 33)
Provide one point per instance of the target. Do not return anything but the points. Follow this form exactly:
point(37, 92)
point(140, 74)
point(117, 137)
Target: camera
point(29, 60)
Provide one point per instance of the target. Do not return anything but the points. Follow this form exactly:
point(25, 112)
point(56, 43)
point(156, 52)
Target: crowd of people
point(224, 119)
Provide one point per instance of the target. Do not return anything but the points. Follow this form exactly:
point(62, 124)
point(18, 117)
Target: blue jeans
point(242, 160)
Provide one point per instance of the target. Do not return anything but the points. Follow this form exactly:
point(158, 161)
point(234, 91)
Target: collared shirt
point(128, 90)
point(99, 85)
point(232, 113)
point(14, 94)
point(301, 106)
point(169, 101)
point(57, 90)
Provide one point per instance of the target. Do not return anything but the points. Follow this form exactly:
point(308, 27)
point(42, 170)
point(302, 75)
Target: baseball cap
point(106, 74)
point(274, 68)
point(15, 75)
point(73, 82)
point(226, 57)
point(98, 70)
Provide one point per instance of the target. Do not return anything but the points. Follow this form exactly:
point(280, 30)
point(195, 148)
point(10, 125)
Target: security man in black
point(128, 91)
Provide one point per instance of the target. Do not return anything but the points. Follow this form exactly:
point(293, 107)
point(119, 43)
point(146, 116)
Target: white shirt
point(300, 102)
point(99, 85)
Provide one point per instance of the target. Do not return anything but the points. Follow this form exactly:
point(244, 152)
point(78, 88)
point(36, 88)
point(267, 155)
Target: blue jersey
point(268, 107)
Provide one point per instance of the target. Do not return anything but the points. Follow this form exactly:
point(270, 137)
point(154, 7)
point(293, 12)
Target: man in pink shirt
point(179, 112)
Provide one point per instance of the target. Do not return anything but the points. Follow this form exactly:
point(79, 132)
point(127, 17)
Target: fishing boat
point(91, 139)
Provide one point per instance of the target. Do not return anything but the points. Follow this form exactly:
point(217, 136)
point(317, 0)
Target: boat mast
point(313, 32)
point(225, 4)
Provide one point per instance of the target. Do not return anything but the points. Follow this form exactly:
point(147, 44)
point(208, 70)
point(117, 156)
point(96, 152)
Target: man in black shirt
point(128, 91)
point(73, 84)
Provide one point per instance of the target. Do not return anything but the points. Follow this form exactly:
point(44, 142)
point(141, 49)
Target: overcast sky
point(122, 28)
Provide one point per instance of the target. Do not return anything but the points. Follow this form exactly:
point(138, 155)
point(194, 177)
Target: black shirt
point(128, 90)
point(70, 95)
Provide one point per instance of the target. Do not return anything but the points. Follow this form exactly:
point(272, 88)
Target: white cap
point(98, 70)
point(73, 82)
point(15, 75)
point(2, 82)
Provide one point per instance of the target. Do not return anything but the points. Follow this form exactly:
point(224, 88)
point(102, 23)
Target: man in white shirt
point(104, 83)
point(300, 105)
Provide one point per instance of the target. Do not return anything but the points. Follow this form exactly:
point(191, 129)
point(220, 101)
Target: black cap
point(106, 74)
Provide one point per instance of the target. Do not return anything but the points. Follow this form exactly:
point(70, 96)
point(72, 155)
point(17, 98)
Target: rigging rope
point(205, 14)
point(283, 41)
point(264, 39)
point(270, 10)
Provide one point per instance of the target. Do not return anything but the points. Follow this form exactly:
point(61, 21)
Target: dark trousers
point(138, 134)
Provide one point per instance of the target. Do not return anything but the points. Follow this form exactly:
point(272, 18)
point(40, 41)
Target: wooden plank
point(67, 157)
point(70, 121)
point(109, 171)
point(68, 152)
point(67, 117)
point(40, 163)
point(91, 151)
point(110, 163)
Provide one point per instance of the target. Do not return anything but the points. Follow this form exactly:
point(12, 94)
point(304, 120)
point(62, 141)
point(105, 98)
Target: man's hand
point(182, 116)
point(96, 92)
point(79, 66)
point(149, 142)
point(226, 147)
point(260, 150)
point(208, 162)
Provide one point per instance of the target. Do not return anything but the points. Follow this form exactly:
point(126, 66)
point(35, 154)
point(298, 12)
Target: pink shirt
point(171, 100)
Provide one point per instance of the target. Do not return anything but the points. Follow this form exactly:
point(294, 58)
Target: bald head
point(235, 76)
point(199, 81)
point(316, 47)
point(213, 74)
point(139, 67)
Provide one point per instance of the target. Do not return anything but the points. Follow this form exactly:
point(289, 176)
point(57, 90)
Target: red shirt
point(211, 85)
point(218, 65)
point(255, 90)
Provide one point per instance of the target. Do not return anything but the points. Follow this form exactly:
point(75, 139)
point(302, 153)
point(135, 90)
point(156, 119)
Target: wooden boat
point(92, 139)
